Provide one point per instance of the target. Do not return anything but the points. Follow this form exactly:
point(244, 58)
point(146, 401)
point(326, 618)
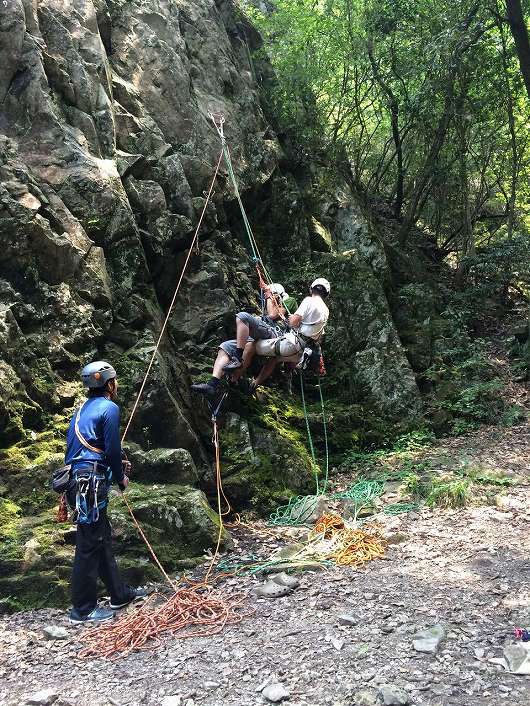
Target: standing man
point(94, 453)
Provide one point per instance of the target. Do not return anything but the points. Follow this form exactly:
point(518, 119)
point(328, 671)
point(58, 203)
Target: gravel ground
point(465, 570)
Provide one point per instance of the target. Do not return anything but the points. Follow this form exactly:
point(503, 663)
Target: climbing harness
point(91, 493)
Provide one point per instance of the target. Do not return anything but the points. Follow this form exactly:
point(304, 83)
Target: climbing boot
point(98, 615)
point(206, 389)
point(134, 593)
point(234, 364)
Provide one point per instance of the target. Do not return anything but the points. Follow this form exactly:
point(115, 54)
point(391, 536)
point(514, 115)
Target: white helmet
point(323, 282)
point(278, 289)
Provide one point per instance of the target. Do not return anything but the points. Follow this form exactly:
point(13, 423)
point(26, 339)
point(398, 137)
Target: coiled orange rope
point(190, 612)
point(346, 545)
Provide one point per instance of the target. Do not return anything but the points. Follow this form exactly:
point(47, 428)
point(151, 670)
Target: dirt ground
point(466, 570)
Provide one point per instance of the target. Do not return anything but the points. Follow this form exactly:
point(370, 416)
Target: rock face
point(106, 152)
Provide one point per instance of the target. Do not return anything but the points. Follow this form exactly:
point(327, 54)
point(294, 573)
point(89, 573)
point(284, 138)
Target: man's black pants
point(93, 558)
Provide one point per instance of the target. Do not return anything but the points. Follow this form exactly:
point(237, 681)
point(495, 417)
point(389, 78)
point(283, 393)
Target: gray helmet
point(97, 374)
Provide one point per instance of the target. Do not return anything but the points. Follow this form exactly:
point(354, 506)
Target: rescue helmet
point(97, 374)
point(321, 282)
point(279, 289)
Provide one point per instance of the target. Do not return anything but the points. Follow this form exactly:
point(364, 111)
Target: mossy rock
point(265, 460)
point(177, 519)
point(162, 465)
point(35, 559)
point(26, 472)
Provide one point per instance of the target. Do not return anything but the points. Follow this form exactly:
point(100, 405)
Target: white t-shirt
point(314, 315)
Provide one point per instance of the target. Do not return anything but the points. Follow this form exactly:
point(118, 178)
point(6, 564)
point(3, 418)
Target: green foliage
point(448, 493)
point(411, 485)
point(414, 440)
point(483, 476)
point(466, 384)
point(426, 104)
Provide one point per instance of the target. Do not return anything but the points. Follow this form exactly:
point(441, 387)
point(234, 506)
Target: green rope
point(297, 511)
point(308, 428)
point(364, 491)
point(247, 567)
point(361, 494)
point(324, 424)
point(399, 508)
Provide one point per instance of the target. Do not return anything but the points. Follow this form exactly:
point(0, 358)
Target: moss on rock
point(177, 519)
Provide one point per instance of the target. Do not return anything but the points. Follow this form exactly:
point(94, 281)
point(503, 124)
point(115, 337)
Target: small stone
point(346, 619)
point(211, 684)
point(517, 658)
point(429, 640)
point(173, 700)
point(54, 632)
point(480, 652)
point(366, 698)
point(275, 693)
point(393, 695)
point(45, 697)
point(337, 644)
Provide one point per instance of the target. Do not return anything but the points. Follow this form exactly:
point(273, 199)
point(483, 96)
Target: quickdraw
point(91, 495)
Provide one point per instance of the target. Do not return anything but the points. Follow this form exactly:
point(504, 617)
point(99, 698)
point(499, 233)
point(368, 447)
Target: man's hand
point(124, 483)
point(294, 320)
point(126, 466)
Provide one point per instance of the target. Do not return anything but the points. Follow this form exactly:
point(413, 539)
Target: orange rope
point(153, 356)
point(190, 612)
point(151, 550)
point(169, 311)
point(220, 492)
point(349, 546)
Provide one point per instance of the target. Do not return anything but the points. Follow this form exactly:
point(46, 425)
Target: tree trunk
point(520, 36)
point(393, 108)
point(522, 44)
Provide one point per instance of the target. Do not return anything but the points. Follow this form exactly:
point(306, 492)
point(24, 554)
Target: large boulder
point(36, 553)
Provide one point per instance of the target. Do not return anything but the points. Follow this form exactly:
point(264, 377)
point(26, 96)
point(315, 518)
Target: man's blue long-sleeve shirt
point(99, 424)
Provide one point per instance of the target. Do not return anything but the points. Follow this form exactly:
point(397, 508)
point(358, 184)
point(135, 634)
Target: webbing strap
point(80, 436)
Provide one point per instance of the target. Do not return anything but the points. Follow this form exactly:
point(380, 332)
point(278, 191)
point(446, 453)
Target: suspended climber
point(94, 455)
point(301, 343)
point(235, 356)
point(292, 340)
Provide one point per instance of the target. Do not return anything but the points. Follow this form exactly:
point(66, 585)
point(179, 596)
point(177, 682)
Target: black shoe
point(247, 387)
point(204, 388)
point(133, 595)
point(98, 615)
point(234, 364)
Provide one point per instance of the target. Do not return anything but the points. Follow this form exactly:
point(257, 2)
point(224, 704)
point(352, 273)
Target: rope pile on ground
point(299, 509)
point(190, 612)
point(333, 540)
